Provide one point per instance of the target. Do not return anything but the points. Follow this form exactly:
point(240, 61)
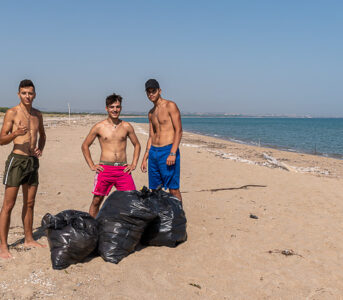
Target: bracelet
point(172, 154)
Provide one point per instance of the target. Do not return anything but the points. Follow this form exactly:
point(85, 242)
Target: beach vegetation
point(3, 109)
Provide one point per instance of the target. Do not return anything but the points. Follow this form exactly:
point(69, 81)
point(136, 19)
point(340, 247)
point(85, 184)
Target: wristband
point(172, 154)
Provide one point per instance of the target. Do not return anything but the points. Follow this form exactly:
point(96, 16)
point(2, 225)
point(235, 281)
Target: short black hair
point(113, 98)
point(26, 83)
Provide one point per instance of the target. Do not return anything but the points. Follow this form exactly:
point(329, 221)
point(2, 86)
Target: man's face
point(26, 95)
point(114, 109)
point(153, 94)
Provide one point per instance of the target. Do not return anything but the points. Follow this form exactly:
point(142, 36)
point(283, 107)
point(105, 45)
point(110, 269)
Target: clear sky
point(254, 57)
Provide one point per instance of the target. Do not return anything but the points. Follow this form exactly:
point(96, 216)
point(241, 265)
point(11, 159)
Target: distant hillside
point(3, 109)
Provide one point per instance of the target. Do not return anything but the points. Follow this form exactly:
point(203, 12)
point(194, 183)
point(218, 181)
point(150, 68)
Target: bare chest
point(112, 135)
point(160, 118)
point(31, 122)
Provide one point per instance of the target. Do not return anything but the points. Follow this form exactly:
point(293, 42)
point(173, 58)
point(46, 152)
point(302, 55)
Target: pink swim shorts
point(112, 175)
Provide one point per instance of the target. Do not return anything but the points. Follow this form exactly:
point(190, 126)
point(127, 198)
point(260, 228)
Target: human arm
point(148, 145)
point(6, 134)
point(86, 152)
point(42, 137)
point(175, 117)
point(137, 149)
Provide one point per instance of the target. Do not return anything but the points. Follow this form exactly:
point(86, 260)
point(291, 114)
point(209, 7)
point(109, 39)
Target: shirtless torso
point(162, 130)
point(112, 168)
point(112, 139)
point(22, 125)
point(165, 132)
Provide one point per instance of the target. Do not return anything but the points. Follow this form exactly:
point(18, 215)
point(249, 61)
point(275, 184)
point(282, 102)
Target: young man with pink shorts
point(113, 169)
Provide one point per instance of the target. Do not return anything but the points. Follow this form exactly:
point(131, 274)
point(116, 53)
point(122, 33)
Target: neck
point(115, 121)
point(27, 107)
point(158, 101)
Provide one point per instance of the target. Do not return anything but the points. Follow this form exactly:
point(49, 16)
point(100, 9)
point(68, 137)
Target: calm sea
point(322, 136)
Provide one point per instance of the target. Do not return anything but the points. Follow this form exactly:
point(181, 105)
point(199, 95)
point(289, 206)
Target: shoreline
point(50, 120)
point(252, 142)
point(280, 148)
point(293, 161)
point(259, 155)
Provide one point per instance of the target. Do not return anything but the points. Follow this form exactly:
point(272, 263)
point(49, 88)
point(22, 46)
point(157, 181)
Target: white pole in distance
point(69, 111)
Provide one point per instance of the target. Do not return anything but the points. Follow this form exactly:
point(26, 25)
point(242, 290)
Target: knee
point(30, 203)
point(7, 207)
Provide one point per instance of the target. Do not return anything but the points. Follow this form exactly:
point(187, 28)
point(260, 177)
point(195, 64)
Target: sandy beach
point(293, 249)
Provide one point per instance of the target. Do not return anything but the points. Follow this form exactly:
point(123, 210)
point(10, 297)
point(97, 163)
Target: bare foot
point(34, 244)
point(4, 253)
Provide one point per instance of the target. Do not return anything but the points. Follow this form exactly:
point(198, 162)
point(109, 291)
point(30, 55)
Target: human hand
point(37, 152)
point(97, 168)
point(144, 166)
point(129, 168)
point(21, 130)
point(171, 160)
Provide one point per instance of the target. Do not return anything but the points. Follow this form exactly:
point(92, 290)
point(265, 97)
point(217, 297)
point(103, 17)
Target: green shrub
point(3, 109)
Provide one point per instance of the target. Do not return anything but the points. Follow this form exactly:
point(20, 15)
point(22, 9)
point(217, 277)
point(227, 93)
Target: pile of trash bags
point(72, 236)
point(126, 219)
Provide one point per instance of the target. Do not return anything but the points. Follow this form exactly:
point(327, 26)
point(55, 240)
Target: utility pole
point(69, 111)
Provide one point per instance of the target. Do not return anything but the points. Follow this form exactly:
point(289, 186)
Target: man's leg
point(95, 206)
point(29, 196)
point(176, 193)
point(5, 218)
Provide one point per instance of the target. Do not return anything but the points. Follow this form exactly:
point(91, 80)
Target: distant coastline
point(187, 114)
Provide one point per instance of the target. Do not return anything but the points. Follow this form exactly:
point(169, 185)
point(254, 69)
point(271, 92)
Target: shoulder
point(36, 112)
point(11, 112)
point(171, 106)
point(98, 126)
point(101, 123)
point(170, 103)
point(127, 125)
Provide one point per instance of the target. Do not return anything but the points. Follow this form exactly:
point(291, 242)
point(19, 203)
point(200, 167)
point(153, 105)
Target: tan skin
point(22, 125)
point(112, 134)
point(165, 128)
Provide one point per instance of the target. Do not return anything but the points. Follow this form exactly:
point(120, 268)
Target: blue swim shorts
point(160, 172)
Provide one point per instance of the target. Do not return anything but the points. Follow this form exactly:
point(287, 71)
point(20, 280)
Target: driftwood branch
point(230, 188)
point(275, 162)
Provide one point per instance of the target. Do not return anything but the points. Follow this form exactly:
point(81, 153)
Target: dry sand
point(228, 255)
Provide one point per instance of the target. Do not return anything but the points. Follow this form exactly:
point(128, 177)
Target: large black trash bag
point(72, 236)
point(169, 227)
point(121, 222)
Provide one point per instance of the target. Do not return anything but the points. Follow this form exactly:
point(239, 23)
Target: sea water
point(321, 136)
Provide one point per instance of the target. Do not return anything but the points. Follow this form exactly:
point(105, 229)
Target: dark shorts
point(159, 172)
point(21, 169)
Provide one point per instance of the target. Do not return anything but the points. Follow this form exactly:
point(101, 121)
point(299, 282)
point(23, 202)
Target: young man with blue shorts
point(165, 132)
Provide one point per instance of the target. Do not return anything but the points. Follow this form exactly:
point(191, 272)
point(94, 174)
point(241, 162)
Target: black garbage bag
point(72, 236)
point(169, 227)
point(121, 222)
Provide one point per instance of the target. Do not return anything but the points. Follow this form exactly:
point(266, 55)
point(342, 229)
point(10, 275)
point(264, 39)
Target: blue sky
point(253, 57)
